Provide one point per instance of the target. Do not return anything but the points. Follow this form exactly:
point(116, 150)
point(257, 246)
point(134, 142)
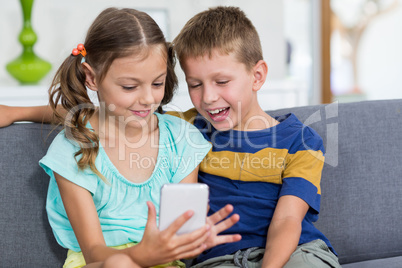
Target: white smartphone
point(177, 198)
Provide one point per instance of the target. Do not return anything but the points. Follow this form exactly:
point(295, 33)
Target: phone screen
point(180, 197)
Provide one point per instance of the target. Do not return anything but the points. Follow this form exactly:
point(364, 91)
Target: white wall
point(61, 25)
point(380, 57)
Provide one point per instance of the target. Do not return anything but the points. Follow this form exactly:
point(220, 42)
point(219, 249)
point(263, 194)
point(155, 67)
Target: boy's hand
point(219, 223)
point(6, 116)
point(159, 247)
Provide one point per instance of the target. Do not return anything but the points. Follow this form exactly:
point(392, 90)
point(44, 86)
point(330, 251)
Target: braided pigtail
point(68, 90)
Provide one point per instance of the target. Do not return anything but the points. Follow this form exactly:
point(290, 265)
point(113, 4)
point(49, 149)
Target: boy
point(268, 168)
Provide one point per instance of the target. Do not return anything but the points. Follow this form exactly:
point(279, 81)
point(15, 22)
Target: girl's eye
point(158, 84)
point(129, 87)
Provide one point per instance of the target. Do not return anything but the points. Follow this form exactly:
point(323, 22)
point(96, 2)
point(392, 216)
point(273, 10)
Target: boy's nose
point(209, 95)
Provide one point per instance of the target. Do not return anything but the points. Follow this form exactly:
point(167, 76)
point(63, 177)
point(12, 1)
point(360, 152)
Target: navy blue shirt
point(252, 169)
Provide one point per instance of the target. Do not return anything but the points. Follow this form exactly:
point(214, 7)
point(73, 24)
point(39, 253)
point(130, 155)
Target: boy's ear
point(260, 72)
point(90, 80)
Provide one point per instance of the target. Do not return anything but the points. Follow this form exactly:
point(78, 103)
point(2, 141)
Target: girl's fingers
point(179, 222)
point(222, 239)
point(220, 214)
point(151, 223)
point(190, 241)
point(192, 253)
point(193, 247)
point(226, 224)
point(187, 245)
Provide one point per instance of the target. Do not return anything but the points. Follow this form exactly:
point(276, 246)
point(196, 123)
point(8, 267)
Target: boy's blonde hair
point(226, 29)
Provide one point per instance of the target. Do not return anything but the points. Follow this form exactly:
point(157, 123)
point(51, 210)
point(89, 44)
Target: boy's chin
point(221, 126)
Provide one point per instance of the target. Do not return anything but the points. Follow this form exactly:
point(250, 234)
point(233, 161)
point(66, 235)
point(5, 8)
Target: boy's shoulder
point(299, 135)
point(188, 115)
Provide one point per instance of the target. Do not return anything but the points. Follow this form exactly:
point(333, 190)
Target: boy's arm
point(284, 231)
point(11, 114)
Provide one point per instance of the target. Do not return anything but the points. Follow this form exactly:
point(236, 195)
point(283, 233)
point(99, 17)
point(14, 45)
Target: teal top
point(121, 206)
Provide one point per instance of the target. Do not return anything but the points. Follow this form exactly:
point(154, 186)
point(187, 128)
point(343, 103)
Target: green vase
point(28, 68)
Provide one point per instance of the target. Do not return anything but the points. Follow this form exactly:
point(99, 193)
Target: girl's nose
point(147, 97)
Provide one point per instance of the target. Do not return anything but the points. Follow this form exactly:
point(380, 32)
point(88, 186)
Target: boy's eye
point(194, 85)
point(222, 82)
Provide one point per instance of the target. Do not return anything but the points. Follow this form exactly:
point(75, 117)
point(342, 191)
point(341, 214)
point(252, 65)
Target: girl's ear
point(90, 80)
point(260, 72)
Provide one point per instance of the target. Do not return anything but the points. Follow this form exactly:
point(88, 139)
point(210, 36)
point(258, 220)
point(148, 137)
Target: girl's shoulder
point(174, 130)
point(64, 141)
point(174, 123)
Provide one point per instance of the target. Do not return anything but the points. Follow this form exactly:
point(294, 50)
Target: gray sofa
point(361, 210)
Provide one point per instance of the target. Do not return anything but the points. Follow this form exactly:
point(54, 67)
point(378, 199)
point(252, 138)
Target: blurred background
point(318, 51)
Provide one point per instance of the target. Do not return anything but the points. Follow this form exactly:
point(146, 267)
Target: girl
point(108, 163)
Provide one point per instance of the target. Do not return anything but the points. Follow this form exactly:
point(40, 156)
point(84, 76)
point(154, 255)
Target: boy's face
point(221, 89)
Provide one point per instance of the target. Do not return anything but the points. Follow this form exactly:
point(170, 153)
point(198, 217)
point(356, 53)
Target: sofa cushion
point(361, 210)
point(385, 263)
point(26, 237)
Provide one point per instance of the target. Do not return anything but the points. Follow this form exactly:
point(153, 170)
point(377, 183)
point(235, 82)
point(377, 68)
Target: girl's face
point(134, 86)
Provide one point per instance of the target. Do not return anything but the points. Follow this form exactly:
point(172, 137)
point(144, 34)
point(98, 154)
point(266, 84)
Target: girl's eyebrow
point(162, 74)
point(137, 79)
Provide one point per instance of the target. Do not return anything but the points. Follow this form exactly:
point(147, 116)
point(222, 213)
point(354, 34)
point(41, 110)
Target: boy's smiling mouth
point(219, 114)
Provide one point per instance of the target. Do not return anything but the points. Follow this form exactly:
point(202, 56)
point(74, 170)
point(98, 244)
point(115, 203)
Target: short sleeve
point(187, 147)
point(60, 159)
point(302, 175)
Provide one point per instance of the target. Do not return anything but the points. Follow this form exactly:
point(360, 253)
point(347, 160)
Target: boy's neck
point(258, 121)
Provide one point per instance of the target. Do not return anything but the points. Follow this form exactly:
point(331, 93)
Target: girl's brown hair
point(115, 33)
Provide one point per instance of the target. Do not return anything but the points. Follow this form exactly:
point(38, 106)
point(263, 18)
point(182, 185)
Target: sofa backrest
point(361, 211)
point(26, 239)
point(361, 184)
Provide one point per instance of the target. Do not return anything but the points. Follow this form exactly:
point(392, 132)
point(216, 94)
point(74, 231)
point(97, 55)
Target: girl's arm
point(192, 177)
point(155, 248)
point(284, 231)
point(11, 114)
point(83, 217)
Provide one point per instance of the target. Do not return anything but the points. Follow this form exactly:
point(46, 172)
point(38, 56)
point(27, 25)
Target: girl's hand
point(6, 116)
point(159, 247)
point(219, 224)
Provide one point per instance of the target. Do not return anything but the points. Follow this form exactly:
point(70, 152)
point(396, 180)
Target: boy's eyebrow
point(191, 78)
point(218, 73)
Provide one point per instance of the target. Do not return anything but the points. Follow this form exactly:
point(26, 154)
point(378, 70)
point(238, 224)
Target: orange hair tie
point(79, 50)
